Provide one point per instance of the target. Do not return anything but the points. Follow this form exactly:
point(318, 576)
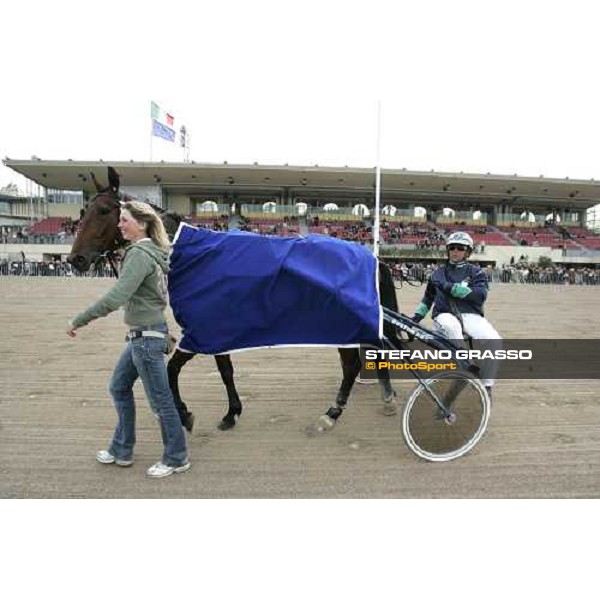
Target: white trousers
point(477, 327)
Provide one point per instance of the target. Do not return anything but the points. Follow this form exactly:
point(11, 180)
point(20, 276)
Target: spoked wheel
point(432, 435)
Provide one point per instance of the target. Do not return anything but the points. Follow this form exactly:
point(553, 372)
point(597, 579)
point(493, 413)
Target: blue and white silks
point(237, 290)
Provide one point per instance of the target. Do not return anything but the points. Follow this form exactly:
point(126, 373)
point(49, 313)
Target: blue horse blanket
point(237, 290)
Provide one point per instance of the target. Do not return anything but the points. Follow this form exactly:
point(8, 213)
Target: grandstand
point(50, 226)
point(509, 217)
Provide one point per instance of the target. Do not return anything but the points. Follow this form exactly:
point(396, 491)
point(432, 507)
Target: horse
point(99, 235)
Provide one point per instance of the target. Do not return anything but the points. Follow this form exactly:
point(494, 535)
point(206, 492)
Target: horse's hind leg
point(174, 367)
point(350, 360)
point(225, 367)
point(390, 407)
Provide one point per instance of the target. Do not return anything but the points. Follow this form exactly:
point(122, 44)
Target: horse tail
point(387, 296)
point(387, 289)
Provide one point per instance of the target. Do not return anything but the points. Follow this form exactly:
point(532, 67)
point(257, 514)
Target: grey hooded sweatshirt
point(141, 288)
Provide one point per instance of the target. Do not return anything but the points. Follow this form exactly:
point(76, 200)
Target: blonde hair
point(144, 213)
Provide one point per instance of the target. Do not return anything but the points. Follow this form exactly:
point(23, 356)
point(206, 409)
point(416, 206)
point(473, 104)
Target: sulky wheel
point(439, 436)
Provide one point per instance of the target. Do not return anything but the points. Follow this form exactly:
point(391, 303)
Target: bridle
point(119, 241)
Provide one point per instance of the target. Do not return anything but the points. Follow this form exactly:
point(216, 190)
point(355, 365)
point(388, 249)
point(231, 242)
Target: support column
point(496, 213)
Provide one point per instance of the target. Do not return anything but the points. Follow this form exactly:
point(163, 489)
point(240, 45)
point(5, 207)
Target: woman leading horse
point(98, 234)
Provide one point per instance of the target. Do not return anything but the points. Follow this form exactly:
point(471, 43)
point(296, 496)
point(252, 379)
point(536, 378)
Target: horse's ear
point(99, 188)
point(81, 213)
point(113, 180)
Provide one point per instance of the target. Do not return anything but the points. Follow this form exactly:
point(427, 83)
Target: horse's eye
point(104, 211)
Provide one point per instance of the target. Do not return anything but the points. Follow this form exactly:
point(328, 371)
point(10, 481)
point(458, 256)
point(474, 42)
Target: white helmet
point(460, 237)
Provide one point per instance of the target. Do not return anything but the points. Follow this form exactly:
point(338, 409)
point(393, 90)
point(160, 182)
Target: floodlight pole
point(187, 147)
point(377, 184)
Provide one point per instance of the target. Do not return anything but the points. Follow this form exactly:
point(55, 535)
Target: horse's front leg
point(174, 367)
point(350, 359)
point(225, 367)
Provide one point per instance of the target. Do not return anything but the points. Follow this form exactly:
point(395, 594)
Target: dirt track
point(543, 439)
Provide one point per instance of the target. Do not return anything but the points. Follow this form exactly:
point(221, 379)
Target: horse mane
point(159, 209)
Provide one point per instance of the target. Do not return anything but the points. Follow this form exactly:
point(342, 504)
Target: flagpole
point(359, 379)
point(151, 136)
point(376, 219)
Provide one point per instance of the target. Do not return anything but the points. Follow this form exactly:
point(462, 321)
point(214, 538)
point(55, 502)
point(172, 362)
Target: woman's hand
point(71, 330)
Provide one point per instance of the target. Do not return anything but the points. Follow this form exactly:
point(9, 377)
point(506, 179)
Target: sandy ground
point(543, 438)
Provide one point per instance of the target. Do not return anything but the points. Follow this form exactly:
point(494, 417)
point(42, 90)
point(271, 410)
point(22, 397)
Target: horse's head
point(98, 230)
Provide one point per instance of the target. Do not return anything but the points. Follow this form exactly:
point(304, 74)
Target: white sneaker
point(162, 470)
point(106, 458)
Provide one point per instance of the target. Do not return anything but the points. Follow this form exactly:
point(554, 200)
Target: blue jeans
point(144, 357)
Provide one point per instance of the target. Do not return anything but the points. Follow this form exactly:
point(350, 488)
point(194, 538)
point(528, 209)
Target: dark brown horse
point(98, 235)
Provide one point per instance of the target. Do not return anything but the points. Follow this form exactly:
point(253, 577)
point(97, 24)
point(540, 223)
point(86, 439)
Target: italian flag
point(162, 123)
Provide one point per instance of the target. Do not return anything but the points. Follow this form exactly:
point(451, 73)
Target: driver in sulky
point(457, 291)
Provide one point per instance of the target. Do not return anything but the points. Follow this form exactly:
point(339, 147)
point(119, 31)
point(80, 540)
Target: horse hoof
point(189, 422)
point(228, 422)
point(390, 406)
point(325, 423)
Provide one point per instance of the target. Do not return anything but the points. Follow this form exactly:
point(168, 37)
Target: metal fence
point(416, 273)
point(585, 276)
point(39, 239)
point(56, 269)
point(545, 276)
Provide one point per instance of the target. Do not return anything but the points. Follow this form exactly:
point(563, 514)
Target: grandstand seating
point(342, 218)
point(402, 232)
point(285, 226)
point(554, 237)
point(425, 234)
point(49, 226)
point(493, 238)
point(576, 230)
point(592, 243)
point(213, 221)
point(355, 232)
point(580, 236)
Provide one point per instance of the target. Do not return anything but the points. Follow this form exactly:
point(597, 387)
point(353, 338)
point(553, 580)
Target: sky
point(500, 87)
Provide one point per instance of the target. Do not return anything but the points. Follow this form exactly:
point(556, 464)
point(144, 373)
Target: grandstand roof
point(398, 185)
